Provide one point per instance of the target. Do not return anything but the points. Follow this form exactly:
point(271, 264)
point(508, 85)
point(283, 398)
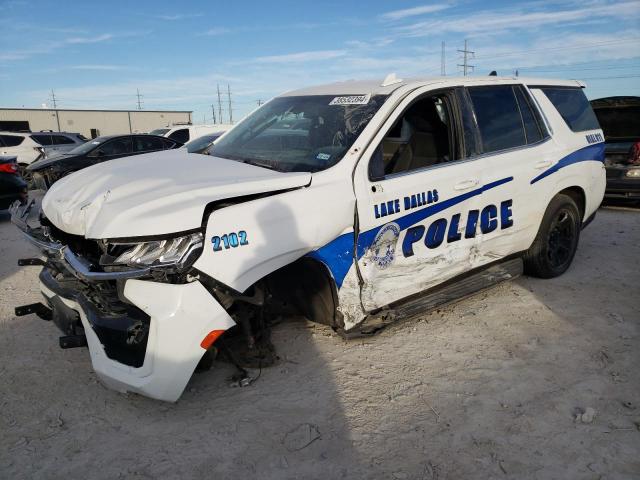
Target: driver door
point(418, 190)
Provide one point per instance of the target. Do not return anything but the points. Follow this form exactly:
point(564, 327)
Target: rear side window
point(168, 144)
point(147, 144)
point(532, 125)
point(498, 117)
point(44, 140)
point(11, 140)
point(181, 135)
point(573, 106)
point(62, 140)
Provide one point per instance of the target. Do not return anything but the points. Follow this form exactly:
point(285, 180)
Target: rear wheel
point(557, 240)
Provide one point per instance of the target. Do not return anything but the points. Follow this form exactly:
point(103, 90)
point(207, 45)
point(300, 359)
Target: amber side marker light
point(211, 338)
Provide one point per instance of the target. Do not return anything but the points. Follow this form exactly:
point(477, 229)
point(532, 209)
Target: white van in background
point(183, 132)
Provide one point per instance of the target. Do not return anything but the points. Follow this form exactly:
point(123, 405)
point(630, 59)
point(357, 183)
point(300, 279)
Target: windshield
point(159, 131)
point(619, 122)
point(200, 143)
point(86, 147)
point(299, 134)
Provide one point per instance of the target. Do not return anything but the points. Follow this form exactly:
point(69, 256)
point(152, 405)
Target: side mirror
point(376, 165)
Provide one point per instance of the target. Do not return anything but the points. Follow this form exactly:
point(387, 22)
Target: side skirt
point(455, 289)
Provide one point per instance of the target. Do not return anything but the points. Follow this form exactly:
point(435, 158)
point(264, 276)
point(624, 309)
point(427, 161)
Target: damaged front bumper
point(151, 342)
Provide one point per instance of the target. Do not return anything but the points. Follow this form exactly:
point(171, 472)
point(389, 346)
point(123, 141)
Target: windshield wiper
point(258, 163)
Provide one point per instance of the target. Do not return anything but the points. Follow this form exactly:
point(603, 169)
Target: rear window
point(498, 117)
point(147, 144)
point(573, 106)
point(62, 140)
point(619, 122)
point(44, 140)
point(181, 135)
point(11, 140)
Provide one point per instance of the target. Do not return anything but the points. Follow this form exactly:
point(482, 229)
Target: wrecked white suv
point(351, 203)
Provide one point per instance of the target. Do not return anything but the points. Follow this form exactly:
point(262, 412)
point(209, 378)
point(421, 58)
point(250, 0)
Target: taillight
point(634, 154)
point(9, 168)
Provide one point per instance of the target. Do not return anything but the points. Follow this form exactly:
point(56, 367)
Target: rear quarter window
point(44, 140)
point(11, 140)
point(573, 107)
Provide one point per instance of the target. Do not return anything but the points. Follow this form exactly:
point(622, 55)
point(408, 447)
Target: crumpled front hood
point(153, 194)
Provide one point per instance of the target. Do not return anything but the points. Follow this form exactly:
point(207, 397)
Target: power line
point(552, 49)
point(466, 55)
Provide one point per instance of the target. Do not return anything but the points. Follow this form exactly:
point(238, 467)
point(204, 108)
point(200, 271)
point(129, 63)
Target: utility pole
point(139, 97)
point(466, 55)
point(55, 107)
point(219, 104)
point(260, 102)
point(213, 112)
point(443, 70)
point(230, 110)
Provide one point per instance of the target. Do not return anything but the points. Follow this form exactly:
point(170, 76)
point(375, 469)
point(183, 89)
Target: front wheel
point(557, 240)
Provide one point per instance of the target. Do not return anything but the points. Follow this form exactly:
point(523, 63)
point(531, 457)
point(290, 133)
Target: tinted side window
point(168, 144)
point(573, 106)
point(147, 144)
point(62, 140)
point(498, 117)
point(119, 146)
point(11, 140)
point(181, 135)
point(44, 140)
point(531, 126)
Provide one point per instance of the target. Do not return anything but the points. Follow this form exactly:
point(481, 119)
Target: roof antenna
point(493, 73)
point(390, 79)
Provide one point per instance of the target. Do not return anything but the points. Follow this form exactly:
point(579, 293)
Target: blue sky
point(96, 54)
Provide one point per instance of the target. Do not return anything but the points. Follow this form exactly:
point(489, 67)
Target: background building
point(90, 123)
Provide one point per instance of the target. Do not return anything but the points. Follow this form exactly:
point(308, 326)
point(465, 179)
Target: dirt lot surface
point(487, 388)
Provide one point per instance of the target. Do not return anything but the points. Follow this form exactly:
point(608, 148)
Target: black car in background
point(619, 118)
point(100, 149)
point(12, 187)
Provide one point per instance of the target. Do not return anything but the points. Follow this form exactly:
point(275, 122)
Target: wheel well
point(578, 196)
point(308, 286)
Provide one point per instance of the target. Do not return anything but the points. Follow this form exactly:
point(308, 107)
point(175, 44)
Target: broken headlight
point(178, 252)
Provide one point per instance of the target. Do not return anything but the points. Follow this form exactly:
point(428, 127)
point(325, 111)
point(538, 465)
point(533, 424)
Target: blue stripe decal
point(337, 255)
point(593, 153)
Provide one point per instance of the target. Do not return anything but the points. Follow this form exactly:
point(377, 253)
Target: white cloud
point(212, 32)
point(414, 12)
point(98, 67)
point(302, 56)
point(179, 16)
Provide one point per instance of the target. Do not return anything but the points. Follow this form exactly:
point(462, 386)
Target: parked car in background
point(101, 149)
point(185, 133)
point(619, 118)
point(31, 146)
point(351, 204)
point(12, 186)
point(202, 144)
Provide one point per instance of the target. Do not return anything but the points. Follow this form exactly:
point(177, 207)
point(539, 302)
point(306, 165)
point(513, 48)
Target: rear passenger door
point(417, 188)
point(516, 147)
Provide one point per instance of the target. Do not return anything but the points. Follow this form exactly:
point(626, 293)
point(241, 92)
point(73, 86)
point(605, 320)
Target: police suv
point(350, 203)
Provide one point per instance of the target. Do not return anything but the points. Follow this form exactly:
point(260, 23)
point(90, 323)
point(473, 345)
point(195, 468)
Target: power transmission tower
point(219, 104)
point(139, 97)
point(466, 55)
point(230, 110)
point(55, 107)
point(53, 99)
point(213, 112)
point(443, 70)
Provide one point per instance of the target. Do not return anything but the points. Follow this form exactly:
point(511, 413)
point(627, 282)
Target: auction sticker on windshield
point(351, 100)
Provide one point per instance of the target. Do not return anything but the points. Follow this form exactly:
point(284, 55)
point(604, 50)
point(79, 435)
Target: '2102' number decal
point(229, 240)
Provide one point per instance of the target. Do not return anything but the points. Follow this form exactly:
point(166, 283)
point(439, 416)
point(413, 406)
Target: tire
point(556, 243)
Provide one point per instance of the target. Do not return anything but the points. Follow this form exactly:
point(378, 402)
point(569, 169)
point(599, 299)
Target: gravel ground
point(501, 385)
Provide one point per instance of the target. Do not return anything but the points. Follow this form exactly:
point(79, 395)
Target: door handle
point(542, 164)
point(466, 184)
